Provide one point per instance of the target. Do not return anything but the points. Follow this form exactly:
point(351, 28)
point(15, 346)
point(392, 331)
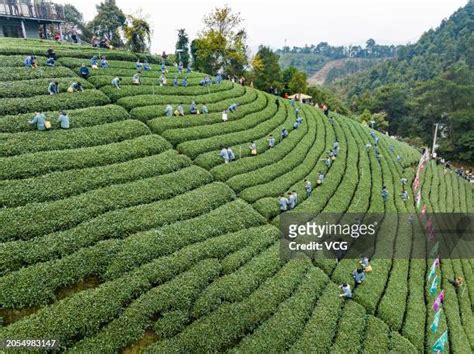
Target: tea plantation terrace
point(129, 232)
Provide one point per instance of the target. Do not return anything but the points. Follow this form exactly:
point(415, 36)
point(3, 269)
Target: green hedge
point(170, 323)
point(307, 166)
point(143, 247)
point(67, 213)
point(22, 143)
point(129, 328)
point(320, 329)
point(61, 101)
point(342, 196)
point(237, 259)
point(106, 80)
point(36, 87)
point(131, 90)
point(377, 336)
point(239, 285)
point(17, 60)
point(58, 185)
point(122, 223)
point(195, 148)
point(224, 172)
point(401, 345)
point(230, 322)
point(152, 100)
point(159, 122)
point(83, 314)
point(278, 333)
point(248, 183)
point(176, 136)
point(29, 165)
point(78, 118)
point(156, 73)
point(350, 329)
point(79, 52)
point(212, 159)
point(15, 73)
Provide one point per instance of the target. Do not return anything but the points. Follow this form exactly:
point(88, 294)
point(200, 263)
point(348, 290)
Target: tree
point(294, 80)
point(266, 69)
point(73, 20)
point(221, 45)
point(298, 83)
point(108, 21)
point(183, 45)
point(375, 120)
point(138, 34)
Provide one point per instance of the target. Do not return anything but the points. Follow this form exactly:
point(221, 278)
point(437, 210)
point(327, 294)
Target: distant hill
point(313, 58)
point(337, 69)
point(430, 81)
point(435, 51)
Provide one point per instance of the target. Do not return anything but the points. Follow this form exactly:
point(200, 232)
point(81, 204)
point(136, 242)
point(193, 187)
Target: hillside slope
point(341, 68)
point(129, 232)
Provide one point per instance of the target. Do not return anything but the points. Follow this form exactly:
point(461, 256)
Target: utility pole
point(433, 153)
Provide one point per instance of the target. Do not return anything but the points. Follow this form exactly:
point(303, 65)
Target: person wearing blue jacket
point(104, 64)
point(53, 88)
point(359, 277)
point(232, 107)
point(320, 177)
point(224, 154)
point(169, 110)
point(146, 66)
point(284, 133)
point(308, 187)
point(30, 61)
point(346, 291)
point(193, 109)
point(404, 196)
point(283, 203)
point(50, 62)
point(184, 82)
point(39, 120)
point(231, 154)
point(116, 82)
point(63, 120)
point(292, 199)
point(84, 71)
point(384, 194)
point(271, 141)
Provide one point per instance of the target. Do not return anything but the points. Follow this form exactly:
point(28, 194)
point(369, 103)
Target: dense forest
point(431, 81)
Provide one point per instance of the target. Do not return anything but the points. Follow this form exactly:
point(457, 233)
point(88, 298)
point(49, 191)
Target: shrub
point(66, 213)
point(277, 334)
point(29, 88)
point(58, 185)
point(176, 136)
point(149, 100)
point(15, 73)
point(28, 165)
point(143, 247)
point(128, 91)
point(61, 101)
point(230, 322)
point(158, 125)
point(78, 118)
point(22, 143)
